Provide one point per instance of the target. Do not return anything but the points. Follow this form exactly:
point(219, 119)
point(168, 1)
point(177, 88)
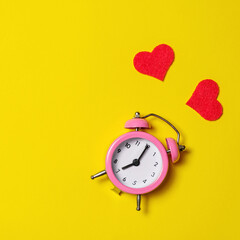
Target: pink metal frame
point(115, 144)
point(173, 147)
point(137, 123)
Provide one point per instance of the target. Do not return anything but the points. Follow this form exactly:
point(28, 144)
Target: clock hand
point(136, 162)
point(146, 147)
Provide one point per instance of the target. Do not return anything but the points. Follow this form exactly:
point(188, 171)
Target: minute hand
point(146, 147)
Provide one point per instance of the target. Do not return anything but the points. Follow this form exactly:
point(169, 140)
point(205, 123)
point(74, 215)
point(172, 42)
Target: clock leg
point(138, 202)
point(98, 174)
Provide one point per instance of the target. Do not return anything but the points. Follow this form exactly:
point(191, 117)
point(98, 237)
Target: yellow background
point(67, 86)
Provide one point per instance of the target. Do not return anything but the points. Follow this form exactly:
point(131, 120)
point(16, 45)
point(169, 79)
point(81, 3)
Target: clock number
point(134, 183)
point(137, 143)
point(115, 161)
point(145, 180)
point(118, 171)
point(153, 174)
point(124, 179)
point(119, 150)
point(127, 145)
point(156, 163)
point(154, 153)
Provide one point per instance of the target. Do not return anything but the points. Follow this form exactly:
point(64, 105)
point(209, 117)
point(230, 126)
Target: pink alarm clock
point(137, 162)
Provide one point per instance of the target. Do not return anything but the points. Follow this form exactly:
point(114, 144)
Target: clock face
point(137, 163)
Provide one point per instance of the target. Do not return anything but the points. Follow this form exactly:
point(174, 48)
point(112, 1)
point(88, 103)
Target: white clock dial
point(132, 171)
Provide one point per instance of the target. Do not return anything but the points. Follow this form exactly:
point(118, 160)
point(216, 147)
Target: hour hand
point(127, 166)
point(135, 162)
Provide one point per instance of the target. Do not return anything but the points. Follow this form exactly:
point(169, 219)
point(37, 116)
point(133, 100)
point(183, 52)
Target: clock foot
point(98, 174)
point(138, 202)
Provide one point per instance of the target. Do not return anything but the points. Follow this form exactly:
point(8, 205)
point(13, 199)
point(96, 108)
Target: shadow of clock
point(168, 183)
point(102, 179)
